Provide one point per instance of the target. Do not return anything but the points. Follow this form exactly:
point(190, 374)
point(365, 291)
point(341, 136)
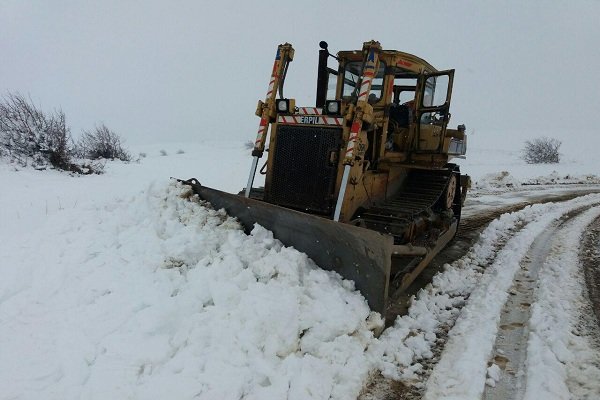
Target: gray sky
point(185, 70)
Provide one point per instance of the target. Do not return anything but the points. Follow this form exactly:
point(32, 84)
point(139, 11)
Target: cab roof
point(393, 58)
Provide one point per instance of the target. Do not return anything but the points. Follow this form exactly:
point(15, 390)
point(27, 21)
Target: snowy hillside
point(123, 286)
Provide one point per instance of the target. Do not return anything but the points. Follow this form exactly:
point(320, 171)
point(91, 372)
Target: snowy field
point(121, 286)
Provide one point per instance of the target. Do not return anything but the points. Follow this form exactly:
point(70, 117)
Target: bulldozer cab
point(413, 97)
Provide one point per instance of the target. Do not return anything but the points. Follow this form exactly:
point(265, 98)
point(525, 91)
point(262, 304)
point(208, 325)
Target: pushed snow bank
point(163, 297)
point(505, 180)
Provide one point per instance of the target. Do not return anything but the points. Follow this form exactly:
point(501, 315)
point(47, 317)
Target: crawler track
point(418, 197)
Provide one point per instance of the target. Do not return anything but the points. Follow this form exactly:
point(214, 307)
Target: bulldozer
point(361, 181)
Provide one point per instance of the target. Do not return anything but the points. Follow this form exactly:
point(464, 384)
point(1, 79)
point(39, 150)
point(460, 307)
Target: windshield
point(352, 72)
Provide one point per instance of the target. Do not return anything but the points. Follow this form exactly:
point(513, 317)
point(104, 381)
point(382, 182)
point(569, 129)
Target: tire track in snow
point(461, 371)
point(507, 370)
point(590, 256)
point(563, 354)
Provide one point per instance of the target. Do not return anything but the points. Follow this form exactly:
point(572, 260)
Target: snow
point(493, 375)
point(160, 296)
point(123, 285)
point(461, 371)
point(561, 362)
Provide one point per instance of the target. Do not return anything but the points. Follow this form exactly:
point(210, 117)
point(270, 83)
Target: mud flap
point(357, 254)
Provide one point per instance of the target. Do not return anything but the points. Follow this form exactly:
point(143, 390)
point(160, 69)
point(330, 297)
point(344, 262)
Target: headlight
point(283, 106)
point(332, 107)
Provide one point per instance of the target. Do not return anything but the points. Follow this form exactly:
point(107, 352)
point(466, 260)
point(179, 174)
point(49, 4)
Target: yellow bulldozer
point(361, 182)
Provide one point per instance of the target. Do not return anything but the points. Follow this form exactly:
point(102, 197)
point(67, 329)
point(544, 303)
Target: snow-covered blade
point(358, 254)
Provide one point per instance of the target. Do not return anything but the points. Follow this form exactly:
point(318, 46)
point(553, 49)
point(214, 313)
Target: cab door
point(433, 110)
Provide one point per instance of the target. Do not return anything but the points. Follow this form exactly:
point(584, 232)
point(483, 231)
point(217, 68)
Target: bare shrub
point(163, 152)
point(541, 151)
point(101, 143)
point(29, 136)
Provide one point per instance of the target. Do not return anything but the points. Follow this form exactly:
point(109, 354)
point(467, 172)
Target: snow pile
point(504, 180)
point(555, 178)
point(497, 180)
point(163, 297)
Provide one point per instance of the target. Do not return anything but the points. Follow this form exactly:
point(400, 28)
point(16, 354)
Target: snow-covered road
point(461, 371)
point(113, 287)
point(544, 341)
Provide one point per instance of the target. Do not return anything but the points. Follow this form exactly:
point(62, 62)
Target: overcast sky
point(157, 71)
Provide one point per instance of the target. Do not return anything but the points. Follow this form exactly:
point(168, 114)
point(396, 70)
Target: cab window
point(434, 95)
point(404, 90)
point(428, 92)
point(352, 73)
point(436, 91)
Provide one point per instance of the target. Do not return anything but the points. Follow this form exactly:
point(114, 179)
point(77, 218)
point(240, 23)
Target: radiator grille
point(303, 175)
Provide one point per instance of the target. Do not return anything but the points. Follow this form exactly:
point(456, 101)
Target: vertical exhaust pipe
point(322, 76)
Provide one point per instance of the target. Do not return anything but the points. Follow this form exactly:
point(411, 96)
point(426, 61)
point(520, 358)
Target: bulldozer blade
point(357, 254)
